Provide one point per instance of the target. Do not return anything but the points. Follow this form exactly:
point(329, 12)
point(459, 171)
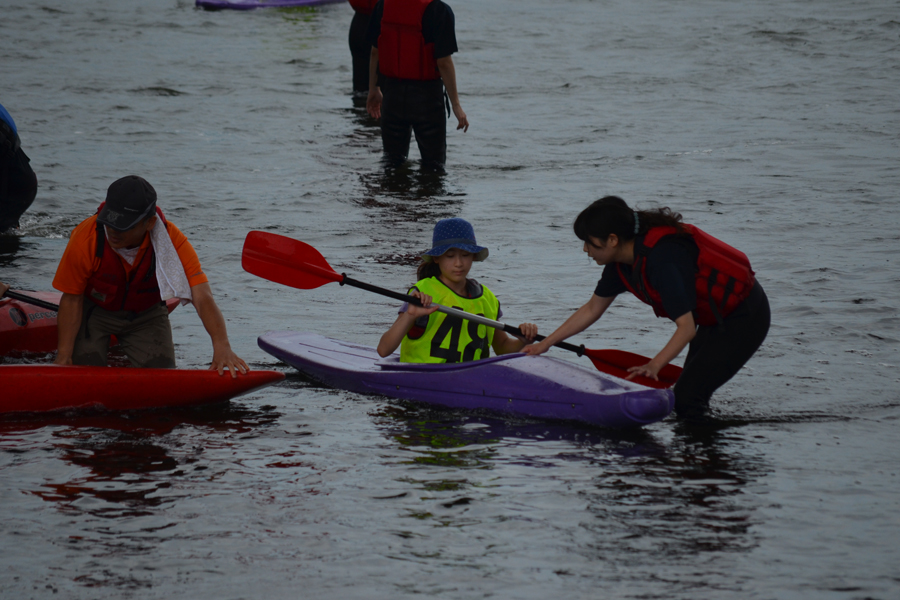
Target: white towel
point(173, 282)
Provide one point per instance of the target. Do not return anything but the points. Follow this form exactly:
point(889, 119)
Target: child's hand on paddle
point(529, 331)
point(425, 309)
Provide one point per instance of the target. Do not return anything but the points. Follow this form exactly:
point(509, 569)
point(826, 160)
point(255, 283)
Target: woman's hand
point(684, 333)
point(536, 349)
point(651, 370)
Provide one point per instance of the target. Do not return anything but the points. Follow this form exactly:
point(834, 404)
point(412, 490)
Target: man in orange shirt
point(118, 269)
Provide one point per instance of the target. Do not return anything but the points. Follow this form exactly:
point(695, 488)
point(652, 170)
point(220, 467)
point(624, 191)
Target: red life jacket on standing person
point(363, 6)
point(111, 288)
point(723, 278)
point(402, 51)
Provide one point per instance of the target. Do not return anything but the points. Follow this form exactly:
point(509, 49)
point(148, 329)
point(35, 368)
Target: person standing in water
point(702, 284)
point(426, 336)
point(359, 44)
point(411, 46)
point(18, 183)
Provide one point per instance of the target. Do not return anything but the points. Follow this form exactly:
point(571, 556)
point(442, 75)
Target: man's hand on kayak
point(63, 360)
point(208, 311)
point(225, 358)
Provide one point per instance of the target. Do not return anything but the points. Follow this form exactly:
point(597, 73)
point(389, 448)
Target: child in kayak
point(702, 284)
point(426, 336)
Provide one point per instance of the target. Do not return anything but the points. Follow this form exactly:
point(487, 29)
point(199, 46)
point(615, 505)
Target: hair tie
point(636, 223)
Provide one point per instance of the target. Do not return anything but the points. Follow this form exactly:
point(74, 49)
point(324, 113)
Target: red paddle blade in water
point(286, 261)
point(617, 362)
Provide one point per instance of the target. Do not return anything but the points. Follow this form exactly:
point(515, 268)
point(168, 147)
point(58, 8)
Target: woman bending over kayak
point(426, 336)
point(702, 284)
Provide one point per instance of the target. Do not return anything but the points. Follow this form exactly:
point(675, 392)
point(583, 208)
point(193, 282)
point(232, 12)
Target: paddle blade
point(286, 261)
point(617, 362)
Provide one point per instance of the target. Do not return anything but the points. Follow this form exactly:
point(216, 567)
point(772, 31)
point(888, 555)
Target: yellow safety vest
point(451, 339)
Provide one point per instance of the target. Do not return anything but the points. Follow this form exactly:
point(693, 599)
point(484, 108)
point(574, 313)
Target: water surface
point(772, 125)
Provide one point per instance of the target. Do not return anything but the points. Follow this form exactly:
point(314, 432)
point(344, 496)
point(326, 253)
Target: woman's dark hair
point(610, 215)
point(427, 269)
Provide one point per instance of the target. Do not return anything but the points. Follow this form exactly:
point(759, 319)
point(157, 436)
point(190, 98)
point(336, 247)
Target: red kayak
point(41, 388)
point(28, 328)
point(25, 327)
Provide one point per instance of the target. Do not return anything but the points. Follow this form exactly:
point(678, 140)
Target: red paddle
point(297, 264)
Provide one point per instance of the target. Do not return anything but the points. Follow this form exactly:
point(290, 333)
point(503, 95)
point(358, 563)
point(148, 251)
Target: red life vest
point(110, 288)
point(402, 51)
point(723, 278)
point(363, 6)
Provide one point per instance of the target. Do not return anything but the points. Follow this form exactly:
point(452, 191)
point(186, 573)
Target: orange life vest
point(402, 51)
point(723, 278)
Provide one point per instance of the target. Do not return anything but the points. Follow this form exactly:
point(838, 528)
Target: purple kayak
point(251, 4)
point(531, 386)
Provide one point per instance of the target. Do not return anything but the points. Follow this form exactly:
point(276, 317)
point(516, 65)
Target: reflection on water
point(690, 499)
point(402, 198)
point(123, 458)
point(404, 193)
point(395, 196)
point(645, 496)
point(120, 476)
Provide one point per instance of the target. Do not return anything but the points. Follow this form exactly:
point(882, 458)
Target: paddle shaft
point(32, 301)
point(297, 264)
point(455, 312)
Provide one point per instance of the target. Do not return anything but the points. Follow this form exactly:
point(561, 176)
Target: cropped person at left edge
point(119, 267)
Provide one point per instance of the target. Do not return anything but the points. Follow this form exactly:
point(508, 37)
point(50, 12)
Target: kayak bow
point(41, 388)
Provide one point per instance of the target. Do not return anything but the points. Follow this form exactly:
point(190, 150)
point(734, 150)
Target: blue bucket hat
point(454, 233)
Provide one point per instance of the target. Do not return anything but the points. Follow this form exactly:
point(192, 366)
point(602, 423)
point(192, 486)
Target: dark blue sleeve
point(374, 31)
point(439, 28)
point(671, 268)
point(610, 284)
point(4, 115)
